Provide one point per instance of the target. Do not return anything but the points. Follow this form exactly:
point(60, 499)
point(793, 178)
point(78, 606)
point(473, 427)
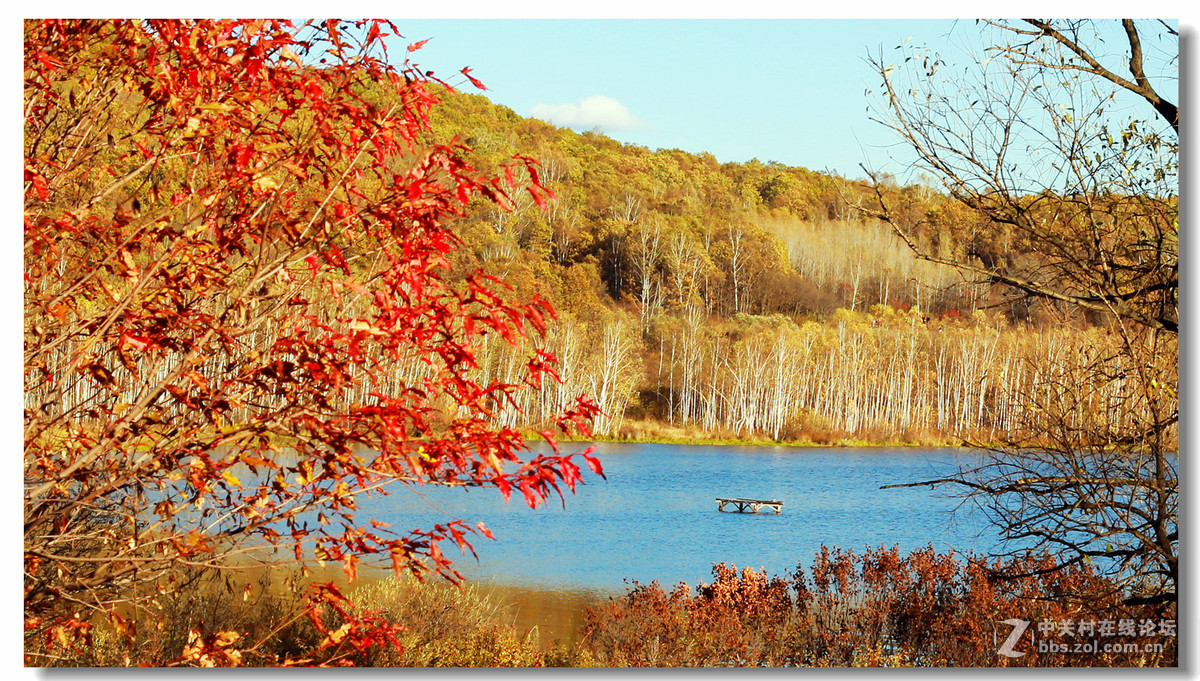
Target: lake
point(656, 518)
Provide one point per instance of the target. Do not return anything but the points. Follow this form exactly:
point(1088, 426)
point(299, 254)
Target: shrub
point(879, 608)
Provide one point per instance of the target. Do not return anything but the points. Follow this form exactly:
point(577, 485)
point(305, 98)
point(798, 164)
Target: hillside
point(664, 230)
point(750, 300)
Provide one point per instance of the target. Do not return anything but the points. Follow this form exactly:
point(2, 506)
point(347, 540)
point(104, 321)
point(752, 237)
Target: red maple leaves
point(237, 310)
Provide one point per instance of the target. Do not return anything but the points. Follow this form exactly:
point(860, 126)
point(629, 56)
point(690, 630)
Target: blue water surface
point(656, 518)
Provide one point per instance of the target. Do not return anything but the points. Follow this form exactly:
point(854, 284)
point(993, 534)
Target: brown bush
point(880, 608)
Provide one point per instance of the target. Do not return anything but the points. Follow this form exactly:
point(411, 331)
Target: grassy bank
point(657, 432)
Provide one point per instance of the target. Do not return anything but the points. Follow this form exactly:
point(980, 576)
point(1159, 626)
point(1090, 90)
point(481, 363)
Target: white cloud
point(596, 111)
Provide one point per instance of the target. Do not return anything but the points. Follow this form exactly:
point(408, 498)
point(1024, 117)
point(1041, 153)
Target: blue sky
point(790, 91)
point(786, 90)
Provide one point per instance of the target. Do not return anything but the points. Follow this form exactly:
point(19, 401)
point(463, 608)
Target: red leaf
point(242, 156)
point(474, 81)
point(570, 474)
point(536, 318)
point(538, 198)
point(505, 488)
point(417, 45)
point(334, 256)
point(137, 342)
point(313, 91)
point(531, 497)
point(312, 264)
point(531, 166)
point(52, 63)
point(593, 463)
point(39, 182)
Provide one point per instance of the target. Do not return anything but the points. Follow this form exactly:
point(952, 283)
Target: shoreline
point(834, 443)
point(845, 443)
point(651, 431)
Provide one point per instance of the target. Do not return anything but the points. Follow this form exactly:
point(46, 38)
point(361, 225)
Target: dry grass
point(444, 626)
point(447, 626)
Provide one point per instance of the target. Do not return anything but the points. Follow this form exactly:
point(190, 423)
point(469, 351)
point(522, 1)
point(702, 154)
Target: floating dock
point(749, 505)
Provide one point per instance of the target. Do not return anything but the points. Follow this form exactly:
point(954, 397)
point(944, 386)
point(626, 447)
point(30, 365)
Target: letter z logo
point(1019, 627)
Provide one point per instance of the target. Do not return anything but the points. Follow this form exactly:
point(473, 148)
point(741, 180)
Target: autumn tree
point(233, 259)
point(1068, 146)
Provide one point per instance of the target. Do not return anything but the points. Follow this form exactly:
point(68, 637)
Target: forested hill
point(751, 300)
point(662, 231)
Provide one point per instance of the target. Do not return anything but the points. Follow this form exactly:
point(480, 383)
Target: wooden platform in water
point(749, 505)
